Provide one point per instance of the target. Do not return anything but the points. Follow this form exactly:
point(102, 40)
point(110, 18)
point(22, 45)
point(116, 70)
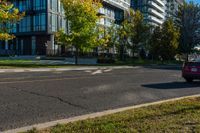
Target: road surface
point(31, 98)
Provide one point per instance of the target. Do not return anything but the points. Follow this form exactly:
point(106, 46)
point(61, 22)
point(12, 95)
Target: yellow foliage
point(82, 15)
point(8, 15)
point(6, 36)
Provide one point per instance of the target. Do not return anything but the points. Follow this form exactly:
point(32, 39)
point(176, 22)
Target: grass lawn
point(4, 64)
point(173, 117)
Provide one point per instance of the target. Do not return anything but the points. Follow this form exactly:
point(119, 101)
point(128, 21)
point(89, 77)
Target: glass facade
point(35, 19)
point(48, 16)
point(152, 10)
point(25, 24)
point(44, 17)
point(56, 16)
point(39, 5)
point(112, 15)
point(53, 22)
point(24, 5)
point(14, 28)
point(39, 22)
point(53, 5)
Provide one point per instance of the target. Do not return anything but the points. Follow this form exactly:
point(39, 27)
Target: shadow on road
point(165, 67)
point(173, 85)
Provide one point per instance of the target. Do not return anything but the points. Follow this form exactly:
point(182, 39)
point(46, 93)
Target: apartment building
point(35, 33)
point(157, 11)
point(153, 10)
point(172, 7)
point(113, 11)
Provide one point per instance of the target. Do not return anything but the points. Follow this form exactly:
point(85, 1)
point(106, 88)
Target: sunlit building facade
point(35, 32)
point(172, 7)
point(152, 10)
point(155, 12)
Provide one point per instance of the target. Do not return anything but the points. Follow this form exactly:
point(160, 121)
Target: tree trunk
point(76, 56)
point(133, 52)
point(122, 53)
point(187, 57)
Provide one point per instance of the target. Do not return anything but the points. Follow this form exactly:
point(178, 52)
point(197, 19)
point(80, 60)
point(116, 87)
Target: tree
point(170, 37)
point(155, 43)
point(139, 31)
point(189, 23)
point(82, 15)
point(123, 33)
point(164, 41)
point(9, 15)
point(108, 38)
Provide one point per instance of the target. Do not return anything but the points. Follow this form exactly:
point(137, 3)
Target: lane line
point(93, 115)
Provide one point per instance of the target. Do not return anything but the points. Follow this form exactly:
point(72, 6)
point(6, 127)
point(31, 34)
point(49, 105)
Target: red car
point(191, 70)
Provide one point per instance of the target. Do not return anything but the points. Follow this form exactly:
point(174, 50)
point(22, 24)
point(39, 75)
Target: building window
point(62, 9)
point(25, 24)
point(53, 22)
point(33, 45)
point(54, 5)
point(39, 22)
point(119, 15)
point(63, 24)
point(24, 5)
point(39, 4)
point(13, 28)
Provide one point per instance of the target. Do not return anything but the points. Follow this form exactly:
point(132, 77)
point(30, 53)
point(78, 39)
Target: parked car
point(191, 70)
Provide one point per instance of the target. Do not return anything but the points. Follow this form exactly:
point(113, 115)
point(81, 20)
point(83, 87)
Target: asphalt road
point(30, 98)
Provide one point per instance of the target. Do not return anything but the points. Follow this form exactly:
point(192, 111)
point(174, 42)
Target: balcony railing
point(154, 5)
point(156, 20)
point(160, 2)
point(154, 12)
point(123, 4)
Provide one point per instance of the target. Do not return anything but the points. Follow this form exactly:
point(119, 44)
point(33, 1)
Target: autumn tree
point(139, 31)
point(123, 33)
point(9, 15)
point(108, 37)
point(82, 15)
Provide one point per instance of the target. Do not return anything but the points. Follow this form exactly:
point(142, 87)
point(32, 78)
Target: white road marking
point(108, 70)
point(97, 72)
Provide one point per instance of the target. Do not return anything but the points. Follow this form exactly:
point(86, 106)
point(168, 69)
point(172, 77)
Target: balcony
point(160, 2)
point(155, 20)
point(154, 5)
point(157, 14)
point(122, 4)
point(101, 12)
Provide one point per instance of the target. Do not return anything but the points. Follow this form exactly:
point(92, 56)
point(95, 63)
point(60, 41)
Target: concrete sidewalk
point(75, 68)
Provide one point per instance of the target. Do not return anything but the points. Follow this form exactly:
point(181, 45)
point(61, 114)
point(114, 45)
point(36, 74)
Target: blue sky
point(197, 1)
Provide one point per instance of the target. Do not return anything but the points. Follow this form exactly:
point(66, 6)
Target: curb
point(62, 69)
point(92, 115)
